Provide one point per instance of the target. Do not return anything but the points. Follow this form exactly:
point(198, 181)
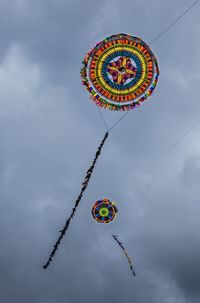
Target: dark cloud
point(49, 133)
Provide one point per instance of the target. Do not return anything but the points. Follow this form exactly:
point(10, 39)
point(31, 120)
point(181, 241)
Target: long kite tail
point(84, 186)
point(126, 254)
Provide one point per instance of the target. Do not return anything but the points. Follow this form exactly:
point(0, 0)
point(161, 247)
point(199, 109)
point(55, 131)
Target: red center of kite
point(121, 70)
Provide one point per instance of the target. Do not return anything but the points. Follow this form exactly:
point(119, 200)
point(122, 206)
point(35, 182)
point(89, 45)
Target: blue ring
point(127, 55)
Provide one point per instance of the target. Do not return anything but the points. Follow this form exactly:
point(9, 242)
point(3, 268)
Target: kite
point(104, 211)
point(126, 254)
point(120, 73)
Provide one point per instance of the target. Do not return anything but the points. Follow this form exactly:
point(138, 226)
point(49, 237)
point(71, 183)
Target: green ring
point(104, 212)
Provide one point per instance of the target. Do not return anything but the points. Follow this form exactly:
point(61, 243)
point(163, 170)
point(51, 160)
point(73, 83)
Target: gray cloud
point(49, 132)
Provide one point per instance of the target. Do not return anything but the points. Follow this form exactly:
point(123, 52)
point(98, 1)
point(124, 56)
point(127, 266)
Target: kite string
point(84, 186)
point(174, 22)
point(117, 122)
point(103, 119)
point(173, 145)
point(126, 254)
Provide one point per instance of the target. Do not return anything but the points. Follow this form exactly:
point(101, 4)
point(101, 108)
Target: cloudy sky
point(150, 165)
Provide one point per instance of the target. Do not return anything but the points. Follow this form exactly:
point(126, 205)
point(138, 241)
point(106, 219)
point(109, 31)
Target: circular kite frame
point(120, 72)
point(104, 211)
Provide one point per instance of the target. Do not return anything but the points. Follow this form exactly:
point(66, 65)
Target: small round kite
point(120, 72)
point(104, 211)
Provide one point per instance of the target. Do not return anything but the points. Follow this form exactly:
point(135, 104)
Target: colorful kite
point(104, 211)
point(126, 254)
point(120, 73)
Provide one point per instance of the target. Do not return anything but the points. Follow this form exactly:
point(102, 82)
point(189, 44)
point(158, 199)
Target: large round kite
point(104, 211)
point(120, 72)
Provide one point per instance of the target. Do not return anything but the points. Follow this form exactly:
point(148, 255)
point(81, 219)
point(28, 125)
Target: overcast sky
point(49, 132)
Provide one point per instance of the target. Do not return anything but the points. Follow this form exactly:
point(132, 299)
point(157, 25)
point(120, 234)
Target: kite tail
point(126, 254)
point(84, 186)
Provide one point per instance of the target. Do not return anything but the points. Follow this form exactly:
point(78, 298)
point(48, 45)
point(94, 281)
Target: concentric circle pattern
point(120, 72)
point(104, 211)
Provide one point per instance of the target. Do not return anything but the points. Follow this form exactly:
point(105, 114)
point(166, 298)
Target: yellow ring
point(113, 90)
point(99, 64)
